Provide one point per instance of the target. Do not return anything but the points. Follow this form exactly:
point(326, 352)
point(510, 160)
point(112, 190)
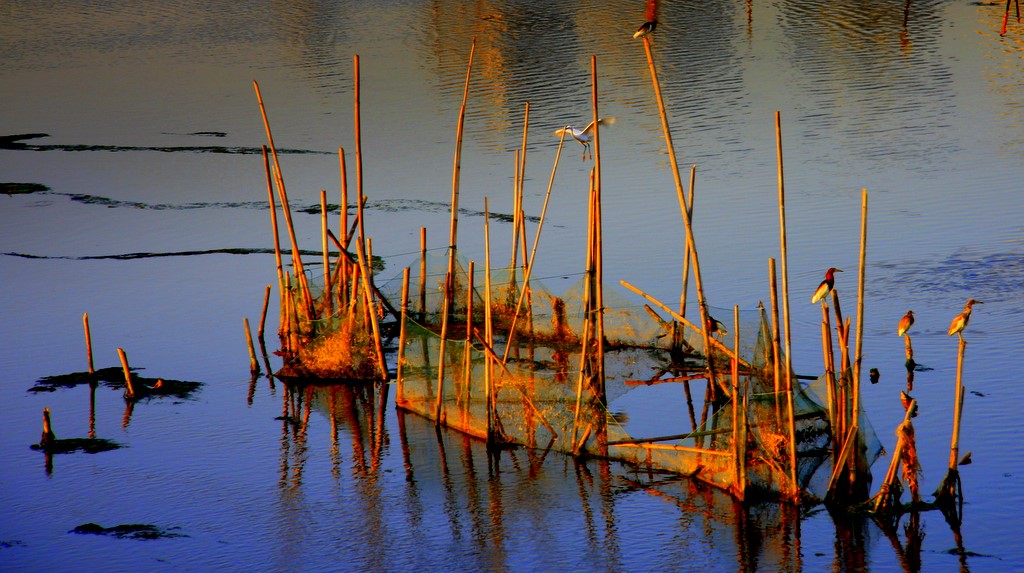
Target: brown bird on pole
point(905, 323)
point(826, 285)
point(960, 321)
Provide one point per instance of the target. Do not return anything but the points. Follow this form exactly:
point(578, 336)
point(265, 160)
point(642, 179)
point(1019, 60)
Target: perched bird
point(826, 285)
point(584, 135)
point(960, 321)
point(905, 323)
point(716, 327)
point(645, 28)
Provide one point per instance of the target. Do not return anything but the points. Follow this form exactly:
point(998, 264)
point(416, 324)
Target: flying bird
point(960, 321)
point(905, 323)
point(585, 135)
point(826, 285)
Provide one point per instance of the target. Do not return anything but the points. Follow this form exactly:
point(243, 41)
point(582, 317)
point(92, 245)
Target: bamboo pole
point(488, 328)
point(296, 255)
point(254, 365)
point(273, 224)
point(359, 147)
point(343, 260)
point(774, 291)
point(738, 412)
point(958, 406)
point(423, 272)
point(129, 388)
point(860, 306)
point(599, 247)
point(329, 308)
point(88, 341)
point(533, 251)
point(830, 383)
point(686, 248)
point(263, 314)
point(690, 243)
point(368, 297)
point(467, 362)
point(399, 374)
point(785, 306)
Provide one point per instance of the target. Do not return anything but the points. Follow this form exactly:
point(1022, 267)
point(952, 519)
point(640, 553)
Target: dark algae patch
point(113, 377)
point(72, 445)
point(140, 531)
point(23, 188)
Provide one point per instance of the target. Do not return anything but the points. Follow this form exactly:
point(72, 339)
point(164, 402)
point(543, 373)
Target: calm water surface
point(151, 118)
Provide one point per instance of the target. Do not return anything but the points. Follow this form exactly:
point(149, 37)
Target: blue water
point(921, 104)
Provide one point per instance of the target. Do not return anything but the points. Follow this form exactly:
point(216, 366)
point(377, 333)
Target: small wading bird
point(960, 321)
point(584, 135)
point(716, 327)
point(905, 323)
point(645, 28)
point(826, 285)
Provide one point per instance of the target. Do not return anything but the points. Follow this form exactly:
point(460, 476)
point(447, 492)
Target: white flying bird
point(584, 135)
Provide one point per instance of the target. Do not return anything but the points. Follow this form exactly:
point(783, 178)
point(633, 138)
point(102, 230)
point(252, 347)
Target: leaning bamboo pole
point(129, 387)
point(283, 194)
point(368, 298)
point(263, 315)
point(690, 243)
point(449, 283)
point(776, 351)
point(254, 365)
point(785, 307)
point(533, 252)
point(273, 226)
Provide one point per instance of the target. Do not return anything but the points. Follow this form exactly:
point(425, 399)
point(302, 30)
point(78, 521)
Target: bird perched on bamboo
point(826, 285)
point(960, 321)
point(715, 326)
point(585, 135)
point(905, 323)
point(645, 28)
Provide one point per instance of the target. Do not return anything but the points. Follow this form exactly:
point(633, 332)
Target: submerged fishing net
point(546, 396)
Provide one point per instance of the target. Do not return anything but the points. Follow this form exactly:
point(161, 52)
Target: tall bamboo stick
point(88, 341)
point(273, 223)
point(329, 308)
point(368, 297)
point(860, 305)
point(690, 243)
point(958, 406)
point(599, 248)
point(399, 374)
point(296, 255)
point(774, 293)
point(785, 306)
point(423, 271)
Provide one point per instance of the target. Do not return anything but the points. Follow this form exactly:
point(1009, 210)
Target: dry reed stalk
point(88, 341)
point(399, 375)
point(690, 243)
point(129, 388)
point(785, 306)
point(254, 365)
